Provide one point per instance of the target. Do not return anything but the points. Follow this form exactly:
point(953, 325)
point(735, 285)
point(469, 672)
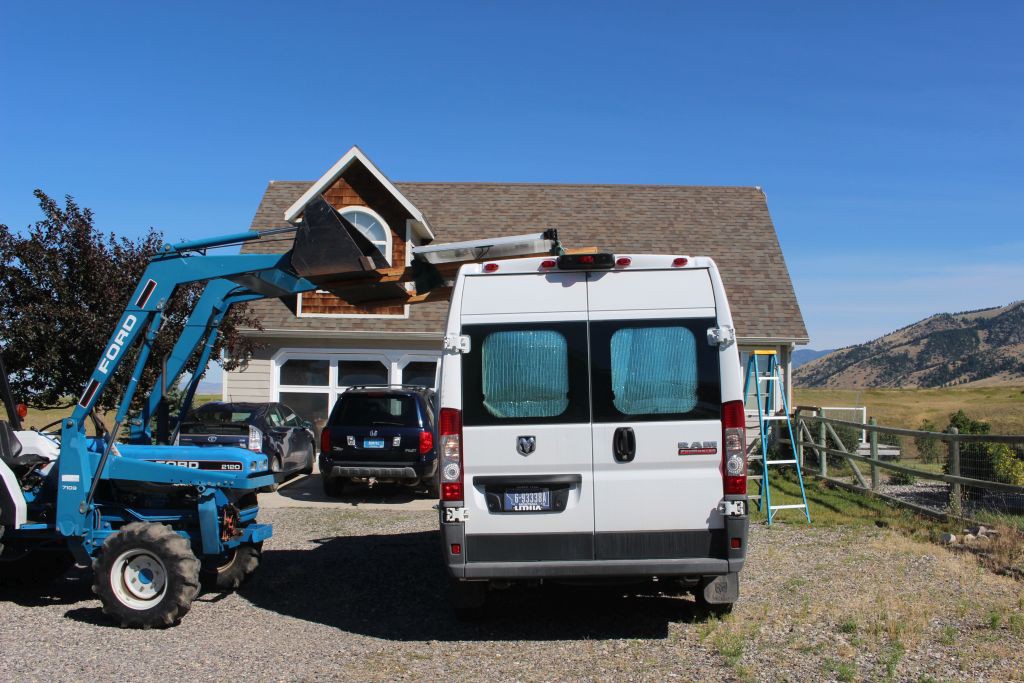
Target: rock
point(982, 530)
point(948, 539)
point(970, 538)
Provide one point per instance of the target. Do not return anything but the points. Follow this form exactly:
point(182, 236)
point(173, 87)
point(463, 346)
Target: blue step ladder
point(771, 380)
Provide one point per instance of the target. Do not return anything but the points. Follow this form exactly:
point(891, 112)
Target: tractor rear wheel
point(234, 570)
point(146, 576)
point(35, 567)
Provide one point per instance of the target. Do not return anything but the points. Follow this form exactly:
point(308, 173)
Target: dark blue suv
point(380, 433)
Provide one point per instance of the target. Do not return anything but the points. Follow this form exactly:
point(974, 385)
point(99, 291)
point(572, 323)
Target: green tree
point(63, 287)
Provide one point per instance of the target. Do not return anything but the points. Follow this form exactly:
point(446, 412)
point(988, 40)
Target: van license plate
point(373, 443)
point(527, 501)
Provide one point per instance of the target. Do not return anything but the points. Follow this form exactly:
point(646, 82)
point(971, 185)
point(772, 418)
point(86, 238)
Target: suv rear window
point(218, 415)
point(357, 410)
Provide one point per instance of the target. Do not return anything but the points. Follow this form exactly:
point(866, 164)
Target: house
point(314, 345)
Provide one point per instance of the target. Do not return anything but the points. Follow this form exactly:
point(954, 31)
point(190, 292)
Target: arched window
point(372, 226)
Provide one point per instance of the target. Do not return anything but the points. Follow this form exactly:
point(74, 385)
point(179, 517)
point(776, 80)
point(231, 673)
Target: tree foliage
point(63, 287)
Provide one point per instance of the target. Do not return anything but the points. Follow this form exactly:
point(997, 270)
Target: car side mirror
point(307, 424)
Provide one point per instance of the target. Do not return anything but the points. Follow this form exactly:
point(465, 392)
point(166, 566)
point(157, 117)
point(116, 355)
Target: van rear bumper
point(575, 555)
point(594, 568)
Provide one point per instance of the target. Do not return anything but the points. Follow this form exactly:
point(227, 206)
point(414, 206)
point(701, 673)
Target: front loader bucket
point(328, 247)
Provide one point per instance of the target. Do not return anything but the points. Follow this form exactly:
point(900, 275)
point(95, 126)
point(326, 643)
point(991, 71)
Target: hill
point(805, 356)
point(979, 348)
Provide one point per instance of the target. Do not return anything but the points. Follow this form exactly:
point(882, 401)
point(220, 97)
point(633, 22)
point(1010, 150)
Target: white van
point(591, 426)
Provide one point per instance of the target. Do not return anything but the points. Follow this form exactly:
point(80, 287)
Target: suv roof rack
point(418, 387)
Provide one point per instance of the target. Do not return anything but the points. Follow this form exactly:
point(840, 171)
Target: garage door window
point(307, 372)
point(358, 372)
point(420, 374)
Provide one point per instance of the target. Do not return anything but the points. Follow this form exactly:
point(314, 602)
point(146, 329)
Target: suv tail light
point(325, 440)
point(734, 448)
point(426, 442)
point(449, 432)
point(255, 443)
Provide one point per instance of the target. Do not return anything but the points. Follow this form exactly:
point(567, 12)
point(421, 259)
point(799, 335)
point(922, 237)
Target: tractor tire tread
point(236, 571)
point(178, 559)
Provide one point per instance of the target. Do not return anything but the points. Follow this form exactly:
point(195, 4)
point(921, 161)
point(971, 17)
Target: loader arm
point(328, 253)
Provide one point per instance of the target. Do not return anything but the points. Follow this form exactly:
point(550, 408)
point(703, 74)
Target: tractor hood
point(219, 459)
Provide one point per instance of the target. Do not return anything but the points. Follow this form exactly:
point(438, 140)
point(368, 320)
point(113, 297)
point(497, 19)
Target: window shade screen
point(654, 370)
point(525, 373)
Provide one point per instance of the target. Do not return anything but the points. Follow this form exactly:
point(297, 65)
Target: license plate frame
point(375, 444)
point(533, 499)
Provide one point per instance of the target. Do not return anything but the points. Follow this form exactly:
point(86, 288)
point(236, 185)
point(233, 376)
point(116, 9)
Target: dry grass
point(871, 604)
point(1003, 406)
point(40, 418)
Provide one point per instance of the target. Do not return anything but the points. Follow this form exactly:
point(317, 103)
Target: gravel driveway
point(350, 593)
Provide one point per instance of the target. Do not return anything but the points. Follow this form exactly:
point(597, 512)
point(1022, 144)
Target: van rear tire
point(467, 598)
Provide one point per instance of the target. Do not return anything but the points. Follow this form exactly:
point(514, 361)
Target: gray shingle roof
point(730, 224)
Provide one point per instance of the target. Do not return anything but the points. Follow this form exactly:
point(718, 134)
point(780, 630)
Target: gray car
point(271, 428)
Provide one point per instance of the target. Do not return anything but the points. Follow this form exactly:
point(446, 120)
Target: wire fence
point(980, 476)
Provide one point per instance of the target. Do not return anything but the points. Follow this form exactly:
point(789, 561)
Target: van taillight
point(449, 432)
point(426, 442)
point(325, 440)
point(734, 447)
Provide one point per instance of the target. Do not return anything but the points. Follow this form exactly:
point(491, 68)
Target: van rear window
point(525, 373)
point(654, 370)
point(519, 373)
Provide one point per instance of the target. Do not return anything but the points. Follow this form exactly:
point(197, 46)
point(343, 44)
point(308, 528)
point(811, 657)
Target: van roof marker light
point(623, 261)
point(680, 261)
point(490, 267)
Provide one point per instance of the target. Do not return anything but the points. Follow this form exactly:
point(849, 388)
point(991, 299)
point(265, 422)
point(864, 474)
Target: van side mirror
point(307, 424)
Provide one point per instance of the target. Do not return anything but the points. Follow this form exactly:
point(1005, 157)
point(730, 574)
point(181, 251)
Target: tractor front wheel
point(235, 569)
point(146, 576)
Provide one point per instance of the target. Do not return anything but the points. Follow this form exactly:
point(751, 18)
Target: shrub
point(1007, 465)
point(849, 436)
point(902, 478)
point(929, 449)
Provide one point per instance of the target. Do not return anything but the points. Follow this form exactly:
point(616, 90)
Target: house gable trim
point(294, 212)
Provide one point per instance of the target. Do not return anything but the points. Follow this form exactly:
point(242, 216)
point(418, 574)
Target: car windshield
point(221, 415)
point(364, 409)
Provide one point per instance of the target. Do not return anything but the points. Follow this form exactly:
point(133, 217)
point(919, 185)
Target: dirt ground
point(351, 592)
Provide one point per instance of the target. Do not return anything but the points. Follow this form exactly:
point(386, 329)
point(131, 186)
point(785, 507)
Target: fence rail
point(818, 433)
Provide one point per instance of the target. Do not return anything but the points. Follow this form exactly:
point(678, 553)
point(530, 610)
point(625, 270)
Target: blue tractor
point(157, 521)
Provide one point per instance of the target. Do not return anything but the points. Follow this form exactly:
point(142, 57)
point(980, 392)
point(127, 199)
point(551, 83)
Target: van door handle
point(624, 444)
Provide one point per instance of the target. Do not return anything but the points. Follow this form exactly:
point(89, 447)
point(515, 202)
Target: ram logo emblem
point(526, 444)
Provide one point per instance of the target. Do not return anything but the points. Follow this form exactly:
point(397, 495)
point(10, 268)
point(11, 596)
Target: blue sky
point(889, 137)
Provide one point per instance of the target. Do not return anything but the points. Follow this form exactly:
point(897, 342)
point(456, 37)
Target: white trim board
point(293, 212)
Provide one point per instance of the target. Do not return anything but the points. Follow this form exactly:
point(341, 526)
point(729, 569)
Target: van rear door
point(657, 415)
point(527, 451)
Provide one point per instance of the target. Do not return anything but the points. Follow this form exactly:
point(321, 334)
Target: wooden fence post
point(956, 500)
point(822, 455)
point(874, 454)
